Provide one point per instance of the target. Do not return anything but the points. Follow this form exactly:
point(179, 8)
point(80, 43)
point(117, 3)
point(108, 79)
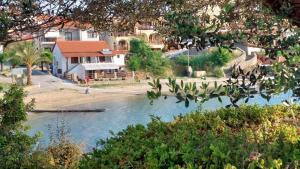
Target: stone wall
point(244, 61)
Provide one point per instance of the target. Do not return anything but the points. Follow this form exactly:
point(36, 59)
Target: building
point(94, 59)
point(69, 32)
point(142, 30)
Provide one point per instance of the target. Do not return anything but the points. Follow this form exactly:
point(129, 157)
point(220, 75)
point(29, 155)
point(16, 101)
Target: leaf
point(187, 103)
point(220, 100)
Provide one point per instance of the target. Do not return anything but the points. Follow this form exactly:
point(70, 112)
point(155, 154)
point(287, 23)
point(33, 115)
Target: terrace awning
point(100, 66)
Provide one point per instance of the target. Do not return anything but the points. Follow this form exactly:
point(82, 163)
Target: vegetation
point(29, 55)
point(211, 62)
point(16, 145)
point(245, 137)
point(46, 57)
point(19, 16)
point(3, 58)
point(143, 58)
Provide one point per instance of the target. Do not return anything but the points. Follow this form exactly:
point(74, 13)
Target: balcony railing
point(145, 27)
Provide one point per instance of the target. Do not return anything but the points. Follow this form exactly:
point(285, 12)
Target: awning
point(100, 66)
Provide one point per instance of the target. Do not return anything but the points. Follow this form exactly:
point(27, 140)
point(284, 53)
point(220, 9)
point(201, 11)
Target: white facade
point(59, 62)
point(68, 34)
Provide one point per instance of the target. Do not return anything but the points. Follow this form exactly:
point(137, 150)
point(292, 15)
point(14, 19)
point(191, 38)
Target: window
point(59, 71)
point(74, 60)
point(92, 34)
point(118, 56)
point(101, 59)
point(81, 60)
point(88, 60)
point(68, 35)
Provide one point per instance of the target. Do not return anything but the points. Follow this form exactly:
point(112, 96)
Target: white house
point(86, 58)
point(70, 32)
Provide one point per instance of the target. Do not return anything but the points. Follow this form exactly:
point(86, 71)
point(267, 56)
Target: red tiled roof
point(85, 48)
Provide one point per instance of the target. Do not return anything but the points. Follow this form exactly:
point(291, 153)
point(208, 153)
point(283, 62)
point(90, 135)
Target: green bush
point(216, 72)
point(245, 137)
point(208, 60)
point(143, 58)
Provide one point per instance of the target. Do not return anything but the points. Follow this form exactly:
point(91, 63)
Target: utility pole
point(188, 56)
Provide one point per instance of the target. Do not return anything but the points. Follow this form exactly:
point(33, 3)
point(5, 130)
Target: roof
point(85, 48)
point(100, 66)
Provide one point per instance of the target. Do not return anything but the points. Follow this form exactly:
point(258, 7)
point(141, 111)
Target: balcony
point(119, 34)
point(48, 41)
point(145, 27)
point(52, 34)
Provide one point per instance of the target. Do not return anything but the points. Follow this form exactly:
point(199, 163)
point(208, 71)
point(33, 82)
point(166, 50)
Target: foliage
point(143, 58)
point(47, 56)
point(29, 55)
point(211, 62)
point(216, 72)
point(15, 144)
point(245, 137)
point(19, 16)
point(3, 59)
point(61, 153)
point(207, 60)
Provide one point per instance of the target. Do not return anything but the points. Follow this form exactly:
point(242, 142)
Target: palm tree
point(46, 57)
point(13, 59)
point(3, 58)
point(28, 55)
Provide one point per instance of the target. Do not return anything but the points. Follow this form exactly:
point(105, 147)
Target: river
point(88, 128)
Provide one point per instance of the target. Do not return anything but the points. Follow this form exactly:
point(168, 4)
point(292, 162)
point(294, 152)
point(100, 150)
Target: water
point(87, 128)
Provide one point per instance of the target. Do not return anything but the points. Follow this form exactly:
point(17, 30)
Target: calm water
point(88, 128)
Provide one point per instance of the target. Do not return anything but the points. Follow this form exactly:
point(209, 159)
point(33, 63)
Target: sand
point(62, 98)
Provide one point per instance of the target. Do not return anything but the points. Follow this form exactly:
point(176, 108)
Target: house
point(86, 58)
point(142, 30)
point(71, 31)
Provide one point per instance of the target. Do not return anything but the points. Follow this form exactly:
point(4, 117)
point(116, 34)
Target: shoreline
point(50, 92)
point(70, 98)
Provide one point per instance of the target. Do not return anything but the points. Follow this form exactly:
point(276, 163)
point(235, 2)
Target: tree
point(16, 145)
point(3, 58)
point(47, 57)
point(28, 55)
point(22, 20)
point(143, 58)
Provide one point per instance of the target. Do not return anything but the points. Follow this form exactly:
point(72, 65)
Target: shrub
point(208, 60)
point(220, 57)
point(15, 144)
point(245, 137)
point(143, 58)
point(216, 72)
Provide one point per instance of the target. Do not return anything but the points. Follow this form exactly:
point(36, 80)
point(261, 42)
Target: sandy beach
point(51, 92)
point(65, 98)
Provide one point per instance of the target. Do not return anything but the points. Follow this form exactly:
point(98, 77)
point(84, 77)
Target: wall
point(119, 61)
point(251, 49)
point(79, 71)
point(52, 34)
point(75, 33)
point(243, 61)
point(84, 36)
point(59, 61)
